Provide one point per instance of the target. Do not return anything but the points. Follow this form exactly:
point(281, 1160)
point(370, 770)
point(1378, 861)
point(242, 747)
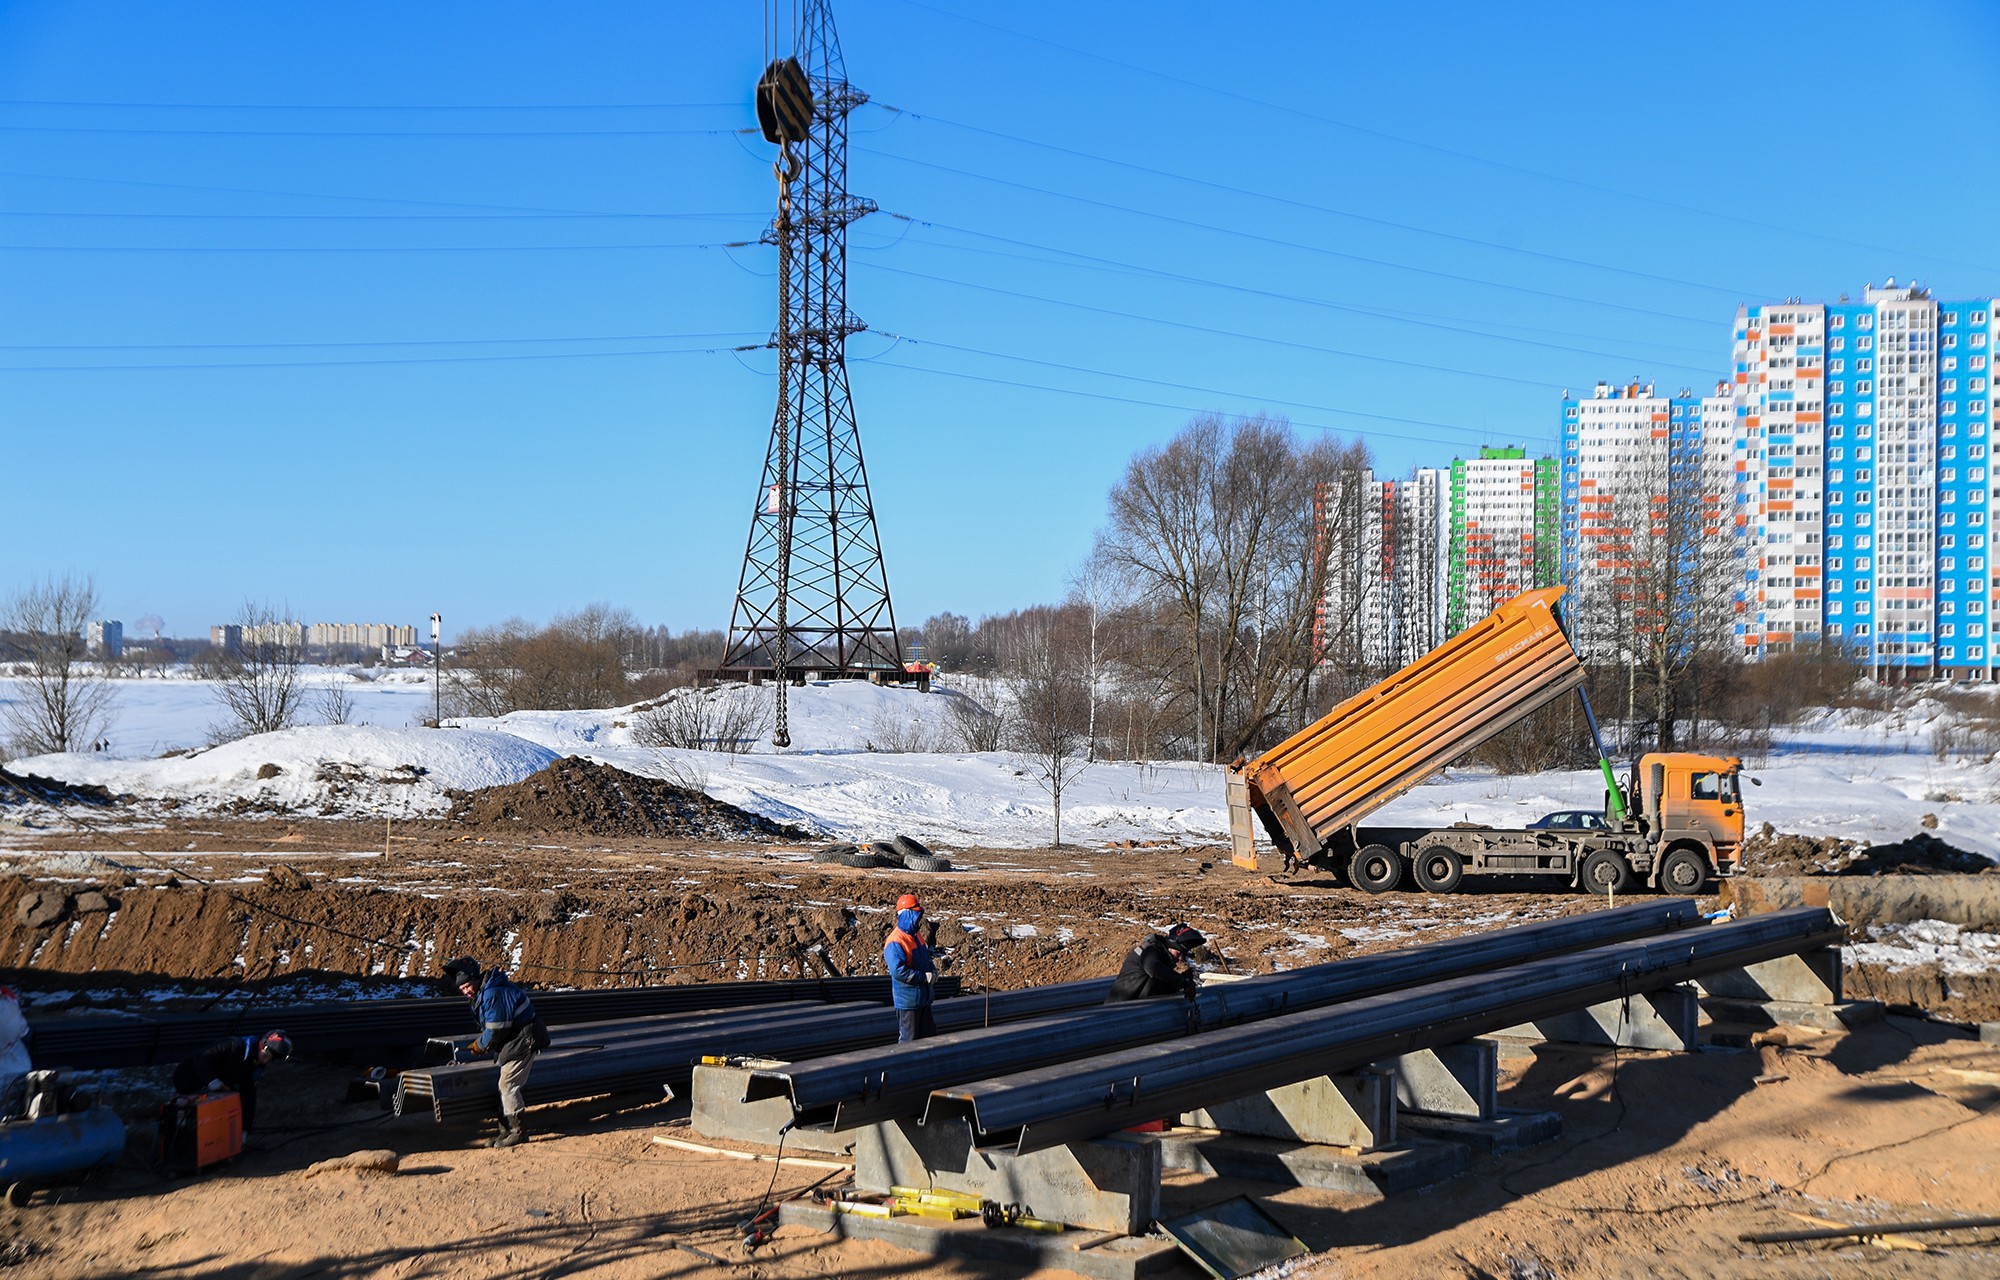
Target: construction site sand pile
point(574, 796)
point(1781, 853)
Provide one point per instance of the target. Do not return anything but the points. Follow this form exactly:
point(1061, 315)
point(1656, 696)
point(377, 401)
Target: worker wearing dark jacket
point(1153, 968)
point(233, 1064)
point(912, 972)
point(509, 1030)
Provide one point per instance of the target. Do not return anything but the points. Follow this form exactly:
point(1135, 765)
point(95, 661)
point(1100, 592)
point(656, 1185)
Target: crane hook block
point(784, 102)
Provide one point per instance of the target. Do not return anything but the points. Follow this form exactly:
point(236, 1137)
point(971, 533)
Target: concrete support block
point(1989, 1032)
point(1110, 1184)
point(1353, 1109)
point(1406, 1167)
point(720, 1112)
point(1455, 1080)
point(1013, 1251)
point(1502, 1132)
point(1772, 1013)
point(1812, 977)
point(1664, 1019)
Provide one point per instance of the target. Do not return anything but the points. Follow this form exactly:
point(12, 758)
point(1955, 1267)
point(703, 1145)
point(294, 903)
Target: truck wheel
point(1439, 869)
point(1685, 871)
point(1374, 868)
point(1605, 872)
point(19, 1193)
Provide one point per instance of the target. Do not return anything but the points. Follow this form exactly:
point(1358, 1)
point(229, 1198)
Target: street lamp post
point(437, 674)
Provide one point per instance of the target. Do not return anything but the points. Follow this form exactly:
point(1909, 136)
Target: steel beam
point(856, 1089)
point(646, 1054)
point(1080, 1099)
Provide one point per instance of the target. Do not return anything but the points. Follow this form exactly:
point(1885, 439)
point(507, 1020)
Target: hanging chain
point(786, 170)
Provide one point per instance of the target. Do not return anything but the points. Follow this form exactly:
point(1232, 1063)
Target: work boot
point(514, 1131)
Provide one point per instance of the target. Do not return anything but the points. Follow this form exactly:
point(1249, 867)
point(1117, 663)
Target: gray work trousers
point(513, 1078)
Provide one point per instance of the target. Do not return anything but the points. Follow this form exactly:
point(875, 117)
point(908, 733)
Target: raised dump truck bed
point(1311, 792)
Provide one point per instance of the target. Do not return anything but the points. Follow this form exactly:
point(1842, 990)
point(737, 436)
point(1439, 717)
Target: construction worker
point(509, 1030)
point(14, 1065)
point(912, 973)
point(1154, 967)
point(236, 1063)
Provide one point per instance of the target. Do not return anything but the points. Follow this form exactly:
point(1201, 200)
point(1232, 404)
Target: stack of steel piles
point(1049, 1106)
point(370, 1026)
point(856, 1089)
point(648, 1053)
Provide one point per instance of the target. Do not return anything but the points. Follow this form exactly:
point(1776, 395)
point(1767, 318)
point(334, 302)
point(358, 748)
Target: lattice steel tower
point(814, 595)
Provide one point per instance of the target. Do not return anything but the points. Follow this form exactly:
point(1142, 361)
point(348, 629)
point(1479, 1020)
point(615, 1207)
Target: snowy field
point(1859, 775)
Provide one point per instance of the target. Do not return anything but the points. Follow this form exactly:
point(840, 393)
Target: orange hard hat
point(908, 902)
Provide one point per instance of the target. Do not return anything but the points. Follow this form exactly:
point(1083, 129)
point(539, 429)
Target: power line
point(372, 106)
point(1435, 148)
point(1289, 244)
point(428, 134)
point(1412, 318)
point(1330, 210)
point(394, 342)
point(385, 360)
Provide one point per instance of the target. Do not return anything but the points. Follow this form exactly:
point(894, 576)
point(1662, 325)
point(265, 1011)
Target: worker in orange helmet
point(912, 972)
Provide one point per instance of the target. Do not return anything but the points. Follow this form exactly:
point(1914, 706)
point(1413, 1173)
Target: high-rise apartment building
point(1504, 531)
point(1649, 513)
point(1384, 541)
point(1867, 506)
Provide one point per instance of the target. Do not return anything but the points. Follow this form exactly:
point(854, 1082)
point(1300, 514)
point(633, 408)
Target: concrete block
point(1003, 1250)
point(1990, 1032)
point(1353, 1109)
point(1502, 1132)
point(1772, 1013)
point(1809, 978)
point(720, 1112)
point(1664, 1019)
point(1109, 1184)
point(1303, 1164)
point(1455, 1080)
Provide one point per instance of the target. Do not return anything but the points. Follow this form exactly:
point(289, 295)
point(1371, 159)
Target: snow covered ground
point(1870, 776)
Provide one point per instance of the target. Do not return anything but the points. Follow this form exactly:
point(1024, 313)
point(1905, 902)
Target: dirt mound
point(20, 788)
point(1770, 852)
point(575, 796)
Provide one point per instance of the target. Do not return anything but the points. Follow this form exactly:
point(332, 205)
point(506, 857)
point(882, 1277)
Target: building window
point(1950, 340)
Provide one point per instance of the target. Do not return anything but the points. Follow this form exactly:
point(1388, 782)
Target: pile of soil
point(22, 788)
point(574, 796)
point(1770, 852)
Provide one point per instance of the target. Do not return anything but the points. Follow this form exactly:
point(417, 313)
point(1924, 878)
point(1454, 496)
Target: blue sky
point(380, 309)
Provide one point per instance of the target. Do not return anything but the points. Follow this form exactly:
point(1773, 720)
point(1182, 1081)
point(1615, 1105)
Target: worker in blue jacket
point(510, 1030)
point(912, 972)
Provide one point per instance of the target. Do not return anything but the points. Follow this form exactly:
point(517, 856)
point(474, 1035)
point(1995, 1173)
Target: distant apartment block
point(359, 635)
point(282, 635)
point(106, 640)
point(1504, 533)
point(1384, 543)
point(228, 637)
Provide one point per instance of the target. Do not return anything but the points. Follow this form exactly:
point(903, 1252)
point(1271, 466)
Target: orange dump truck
point(1674, 825)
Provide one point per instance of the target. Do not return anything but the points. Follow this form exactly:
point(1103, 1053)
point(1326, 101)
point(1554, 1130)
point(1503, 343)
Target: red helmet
point(908, 902)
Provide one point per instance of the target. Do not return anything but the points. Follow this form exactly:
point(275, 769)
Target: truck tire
point(1684, 872)
point(1438, 869)
point(1374, 868)
point(1605, 872)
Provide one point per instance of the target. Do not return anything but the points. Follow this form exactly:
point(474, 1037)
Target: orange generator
point(196, 1132)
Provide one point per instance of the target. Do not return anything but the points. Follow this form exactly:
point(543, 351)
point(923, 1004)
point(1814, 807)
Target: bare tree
point(970, 725)
point(1098, 589)
point(259, 683)
point(574, 663)
point(61, 703)
point(1217, 534)
point(336, 704)
point(1051, 715)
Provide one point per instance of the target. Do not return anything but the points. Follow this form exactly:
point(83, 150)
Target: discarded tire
point(861, 858)
point(834, 852)
point(926, 862)
point(909, 845)
point(887, 852)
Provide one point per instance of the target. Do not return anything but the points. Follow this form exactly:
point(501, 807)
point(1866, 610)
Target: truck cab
point(1690, 805)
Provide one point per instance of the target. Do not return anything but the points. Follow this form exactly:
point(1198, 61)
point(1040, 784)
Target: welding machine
point(198, 1131)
